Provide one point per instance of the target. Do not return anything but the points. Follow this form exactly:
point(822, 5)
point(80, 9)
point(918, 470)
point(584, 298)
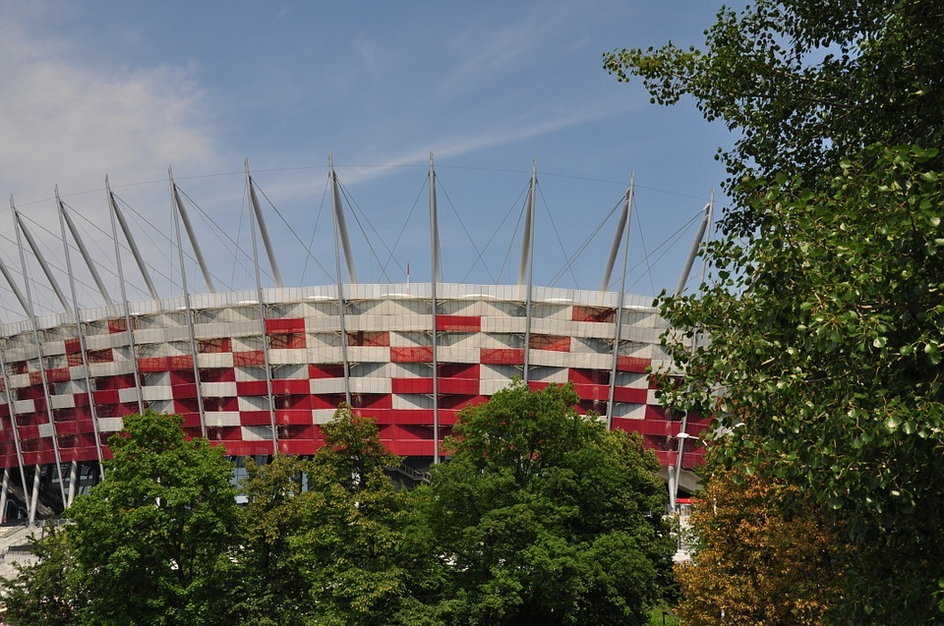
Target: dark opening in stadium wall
point(257, 370)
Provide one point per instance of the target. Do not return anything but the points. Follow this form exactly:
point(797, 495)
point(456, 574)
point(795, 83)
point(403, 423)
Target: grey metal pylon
point(260, 219)
point(191, 235)
point(693, 251)
point(614, 249)
point(187, 305)
point(675, 476)
point(13, 286)
point(434, 280)
point(527, 268)
point(138, 259)
point(13, 425)
point(132, 348)
point(262, 310)
point(39, 258)
point(82, 250)
point(338, 223)
point(625, 222)
point(17, 226)
point(82, 345)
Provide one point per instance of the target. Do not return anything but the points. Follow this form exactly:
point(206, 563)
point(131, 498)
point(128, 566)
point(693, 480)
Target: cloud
point(70, 122)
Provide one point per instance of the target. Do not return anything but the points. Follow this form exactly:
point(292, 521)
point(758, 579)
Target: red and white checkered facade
point(388, 334)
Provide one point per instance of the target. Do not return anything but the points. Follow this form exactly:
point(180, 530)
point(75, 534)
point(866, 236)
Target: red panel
point(459, 323)
point(417, 354)
point(152, 364)
point(254, 418)
point(290, 387)
point(251, 388)
point(118, 325)
point(248, 358)
point(594, 392)
point(286, 341)
point(58, 375)
point(372, 400)
point(634, 396)
point(588, 377)
point(459, 370)
point(632, 364)
point(555, 343)
point(298, 446)
point(592, 314)
point(106, 396)
point(100, 356)
point(411, 385)
point(293, 417)
point(183, 362)
point(217, 374)
point(73, 346)
point(285, 325)
point(326, 400)
point(501, 356)
point(215, 346)
point(325, 371)
point(369, 338)
point(35, 378)
point(293, 402)
point(247, 448)
point(410, 447)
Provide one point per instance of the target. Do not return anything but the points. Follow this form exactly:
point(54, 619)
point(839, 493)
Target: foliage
point(825, 321)
point(343, 550)
point(757, 562)
point(43, 593)
point(147, 541)
point(805, 84)
point(543, 516)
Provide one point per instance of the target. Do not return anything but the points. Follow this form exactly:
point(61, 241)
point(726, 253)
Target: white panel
point(45, 429)
point(23, 406)
point(62, 402)
point(218, 390)
point(256, 433)
point(369, 385)
point(157, 392)
point(253, 403)
point(222, 419)
point(326, 385)
point(288, 356)
point(215, 359)
point(110, 424)
point(375, 354)
point(129, 394)
point(322, 416)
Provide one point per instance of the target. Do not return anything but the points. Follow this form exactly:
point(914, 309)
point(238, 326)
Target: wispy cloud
point(69, 122)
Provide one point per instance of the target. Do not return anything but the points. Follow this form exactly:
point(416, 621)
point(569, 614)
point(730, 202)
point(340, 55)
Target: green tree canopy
point(542, 516)
point(805, 84)
point(147, 541)
point(824, 319)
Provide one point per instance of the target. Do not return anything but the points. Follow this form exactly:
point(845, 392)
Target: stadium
point(257, 370)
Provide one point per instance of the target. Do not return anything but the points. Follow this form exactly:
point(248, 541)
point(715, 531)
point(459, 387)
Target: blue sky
point(130, 88)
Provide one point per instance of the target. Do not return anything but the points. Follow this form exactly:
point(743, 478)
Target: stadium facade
point(258, 371)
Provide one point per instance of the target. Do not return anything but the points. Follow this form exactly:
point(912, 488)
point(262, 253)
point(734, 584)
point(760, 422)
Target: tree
point(147, 541)
point(824, 319)
point(757, 561)
point(331, 540)
point(45, 592)
point(543, 516)
point(805, 84)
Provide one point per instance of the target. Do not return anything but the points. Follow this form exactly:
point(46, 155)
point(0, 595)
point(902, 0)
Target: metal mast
point(82, 250)
point(39, 258)
point(82, 345)
point(527, 267)
point(676, 471)
point(260, 219)
point(116, 213)
point(434, 280)
point(175, 202)
point(625, 223)
point(182, 210)
point(124, 296)
point(262, 310)
point(17, 226)
point(338, 232)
